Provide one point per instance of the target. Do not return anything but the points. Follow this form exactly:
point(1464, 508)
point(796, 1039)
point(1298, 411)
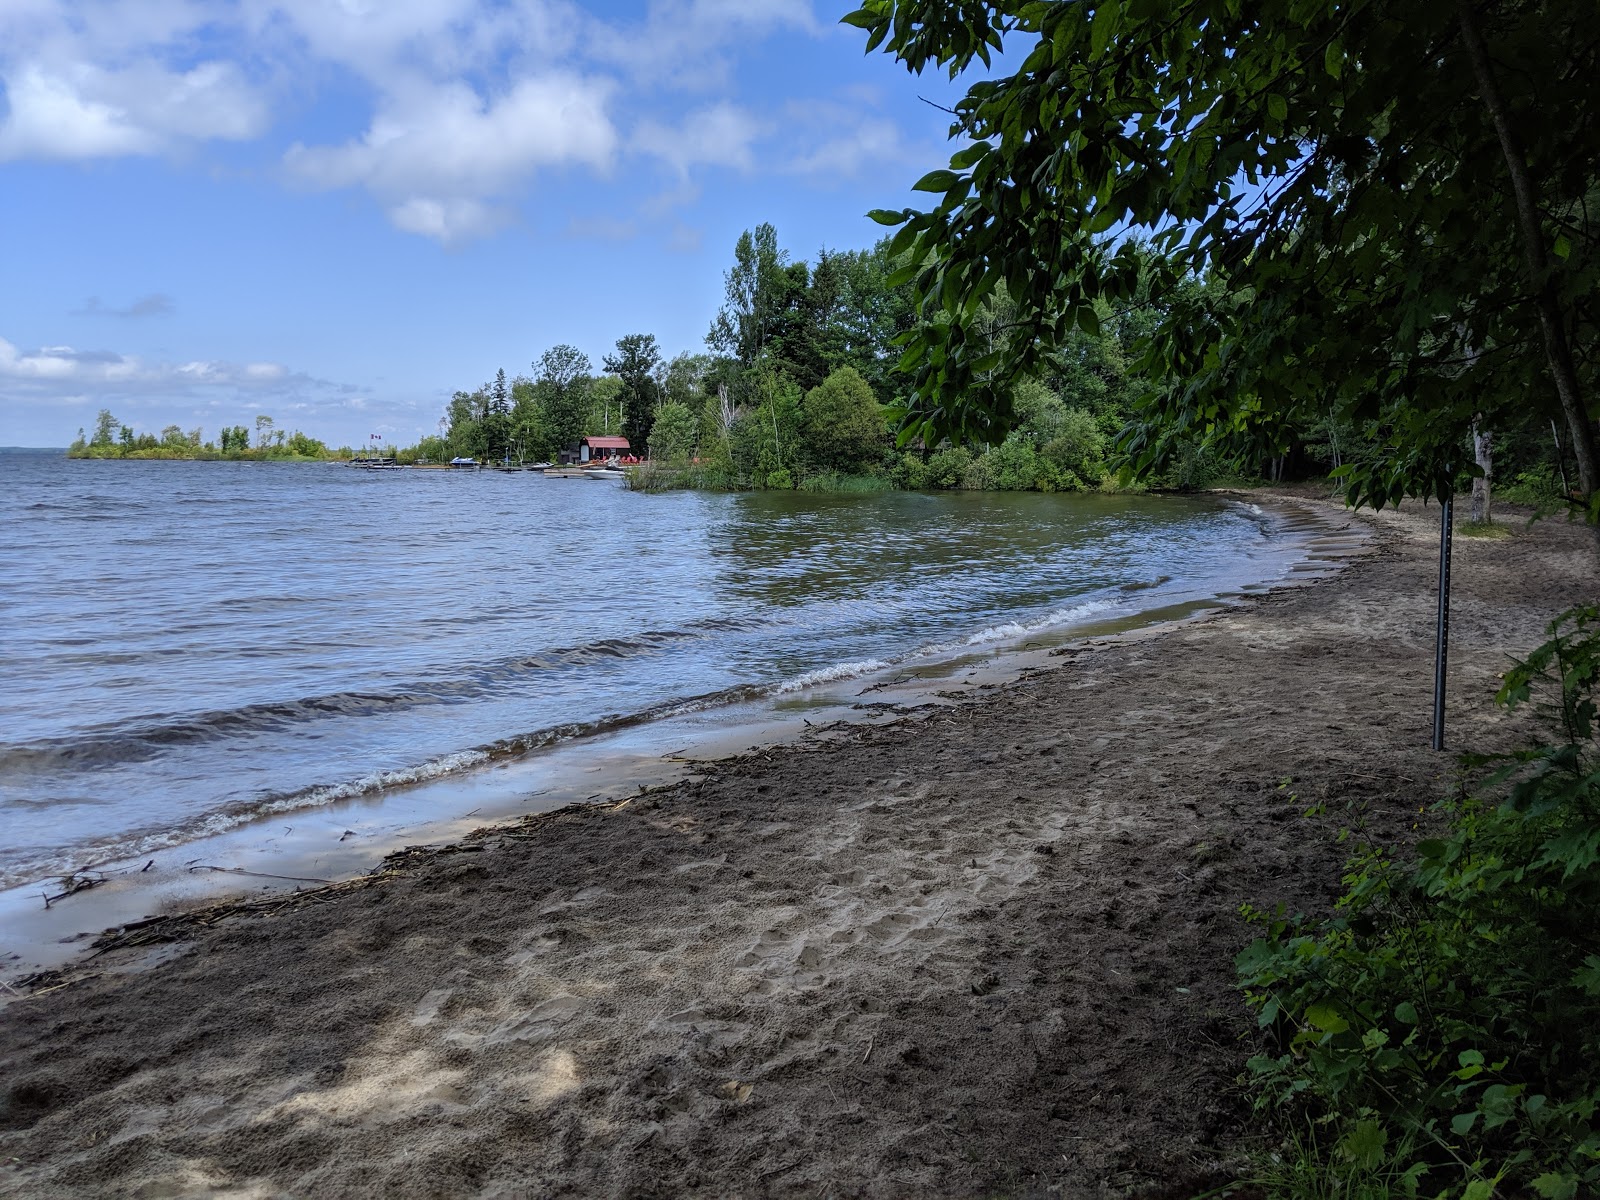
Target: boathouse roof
point(605, 443)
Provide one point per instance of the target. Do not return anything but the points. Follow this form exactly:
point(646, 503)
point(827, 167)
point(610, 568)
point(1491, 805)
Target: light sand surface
point(982, 950)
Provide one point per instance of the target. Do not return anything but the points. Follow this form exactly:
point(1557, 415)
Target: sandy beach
point(982, 950)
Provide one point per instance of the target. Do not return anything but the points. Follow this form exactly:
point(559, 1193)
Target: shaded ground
point(985, 951)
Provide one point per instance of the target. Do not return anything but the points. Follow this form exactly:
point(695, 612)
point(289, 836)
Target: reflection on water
point(192, 643)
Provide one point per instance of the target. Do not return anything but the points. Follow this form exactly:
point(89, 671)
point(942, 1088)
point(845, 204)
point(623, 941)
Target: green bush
point(1078, 447)
point(911, 472)
point(948, 468)
point(780, 480)
point(843, 422)
point(1442, 1028)
point(1537, 488)
point(835, 484)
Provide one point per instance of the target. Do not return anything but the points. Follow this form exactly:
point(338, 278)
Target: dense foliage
point(1388, 202)
point(1441, 1031)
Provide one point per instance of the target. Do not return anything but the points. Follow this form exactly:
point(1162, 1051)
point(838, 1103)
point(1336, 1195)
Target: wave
point(149, 741)
point(144, 738)
point(1016, 629)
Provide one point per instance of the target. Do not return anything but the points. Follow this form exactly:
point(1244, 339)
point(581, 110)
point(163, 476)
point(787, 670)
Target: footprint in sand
point(538, 1022)
point(774, 949)
point(428, 1007)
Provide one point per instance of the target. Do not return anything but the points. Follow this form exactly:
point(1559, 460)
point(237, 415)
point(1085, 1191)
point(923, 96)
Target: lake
point(190, 646)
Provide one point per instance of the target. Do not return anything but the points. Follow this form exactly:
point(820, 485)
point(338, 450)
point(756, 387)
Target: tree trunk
point(1558, 354)
point(1483, 452)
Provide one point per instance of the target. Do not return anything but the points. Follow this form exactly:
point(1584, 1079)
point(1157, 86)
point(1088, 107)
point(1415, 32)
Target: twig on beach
point(871, 1042)
point(74, 884)
point(780, 1169)
point(257, 874)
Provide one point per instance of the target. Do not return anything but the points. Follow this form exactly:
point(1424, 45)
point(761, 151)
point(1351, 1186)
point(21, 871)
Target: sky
point(338, 212)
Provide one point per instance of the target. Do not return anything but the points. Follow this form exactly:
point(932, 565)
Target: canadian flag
point(377, 437)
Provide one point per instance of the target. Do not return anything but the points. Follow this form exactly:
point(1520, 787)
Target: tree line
point(804, 381)
point(112, 439)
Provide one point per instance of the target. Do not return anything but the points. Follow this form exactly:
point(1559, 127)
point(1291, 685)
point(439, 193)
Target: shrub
point(1537, 488)
point(911, 472)
point(948, 468)
point(843, 423)
point(1444, 1023)
point(1079, 445)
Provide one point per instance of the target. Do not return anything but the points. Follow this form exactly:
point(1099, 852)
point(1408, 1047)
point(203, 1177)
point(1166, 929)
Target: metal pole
point(1441, 651)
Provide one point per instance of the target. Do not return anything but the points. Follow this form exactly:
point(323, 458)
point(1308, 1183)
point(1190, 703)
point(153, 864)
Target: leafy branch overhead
point(1387, 203)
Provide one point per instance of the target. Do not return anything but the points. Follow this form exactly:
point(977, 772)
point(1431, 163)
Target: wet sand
point(984, 948)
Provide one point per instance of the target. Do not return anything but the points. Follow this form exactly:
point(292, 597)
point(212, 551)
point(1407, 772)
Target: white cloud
point(684, 43)
point(472, 101)
point(841, 139)
point(62, 373)
point(719, 136)
point(437, 156)
point(79, 110)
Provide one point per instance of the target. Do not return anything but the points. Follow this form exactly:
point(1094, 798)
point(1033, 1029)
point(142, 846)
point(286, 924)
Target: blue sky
point(336, 212)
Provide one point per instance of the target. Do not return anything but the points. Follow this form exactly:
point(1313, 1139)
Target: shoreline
point(289, 848)
point(982, 948)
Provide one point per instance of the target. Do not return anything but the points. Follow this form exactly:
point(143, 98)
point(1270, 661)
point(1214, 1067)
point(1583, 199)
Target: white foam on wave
point(377, 781)
point(833, 674)
point(1016, 629)
point(88, 858)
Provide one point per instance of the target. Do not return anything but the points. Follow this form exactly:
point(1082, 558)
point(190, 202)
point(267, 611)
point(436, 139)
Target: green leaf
point(1562, 246)
point(1405, 1012)
point(936, 181)
point(1587, 976)
point(1462, 1125)
point(1277, 107)
point(1365, 1145)
point(1555, 1187)
point(1326, 1019)
point(1333, 58)
point(1106, 16)
point(887, 216)
point(1479, 1189)
point(862, 18)
point(964, 159)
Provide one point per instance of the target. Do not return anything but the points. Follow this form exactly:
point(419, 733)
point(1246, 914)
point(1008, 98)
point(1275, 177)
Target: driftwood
point(74, 884)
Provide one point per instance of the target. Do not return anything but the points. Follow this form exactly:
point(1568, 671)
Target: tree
point(843, 423)
point(635, 363)
point(263, 431)
point(563, 384)
point(754, 289)
point(605, 405)
point(684, 381)
point(529, 437)
point(1388, 215)
point(105, 428)
point(672, 435)
point(497, 419)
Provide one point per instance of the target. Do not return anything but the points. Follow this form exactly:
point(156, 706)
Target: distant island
point(112, 439)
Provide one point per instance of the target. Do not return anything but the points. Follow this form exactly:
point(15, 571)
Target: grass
point(1483, 529)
